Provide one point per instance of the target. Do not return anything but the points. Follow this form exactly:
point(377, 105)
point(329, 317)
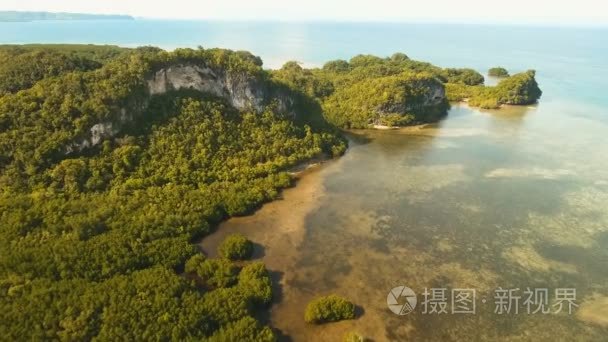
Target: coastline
point(279, 231)
point(302, 168)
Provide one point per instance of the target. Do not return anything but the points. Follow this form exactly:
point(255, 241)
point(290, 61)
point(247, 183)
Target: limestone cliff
point(390, 101)
point(242, 91)
point(429, 94)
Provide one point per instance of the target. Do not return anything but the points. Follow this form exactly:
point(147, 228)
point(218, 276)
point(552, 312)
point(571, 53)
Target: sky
point(567, 12)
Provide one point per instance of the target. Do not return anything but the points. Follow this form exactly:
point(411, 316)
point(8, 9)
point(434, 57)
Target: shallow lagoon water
point(483, 199)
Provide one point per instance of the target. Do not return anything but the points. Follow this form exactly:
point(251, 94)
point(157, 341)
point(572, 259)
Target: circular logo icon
point(406, 304)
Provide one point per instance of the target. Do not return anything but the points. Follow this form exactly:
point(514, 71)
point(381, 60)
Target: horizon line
point(531, 22)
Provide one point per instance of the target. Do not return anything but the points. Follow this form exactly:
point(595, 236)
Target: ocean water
point(510, 198)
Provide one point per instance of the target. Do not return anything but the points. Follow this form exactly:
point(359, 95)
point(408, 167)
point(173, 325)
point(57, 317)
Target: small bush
point(331, 308)
point(236, 247)
point(463, 76)
point(498, 72)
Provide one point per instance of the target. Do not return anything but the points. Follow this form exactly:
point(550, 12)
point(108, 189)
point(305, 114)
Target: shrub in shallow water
point(330, 308)
point(236, 247)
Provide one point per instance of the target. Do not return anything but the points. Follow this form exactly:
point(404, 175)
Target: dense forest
point(97, 231)
point(396, 91)
point(94, 241)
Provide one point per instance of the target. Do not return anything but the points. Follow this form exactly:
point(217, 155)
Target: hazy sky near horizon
point(591, 12)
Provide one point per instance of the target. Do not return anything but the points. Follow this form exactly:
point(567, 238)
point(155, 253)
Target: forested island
point(370, 91)
point(114, 161)
point(19, 16)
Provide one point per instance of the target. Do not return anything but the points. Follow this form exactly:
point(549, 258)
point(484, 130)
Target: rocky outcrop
point(432, 94)
point(242, 91)
point(422, 101)
point(435, 96)
point(100, 131)
point(389, 101)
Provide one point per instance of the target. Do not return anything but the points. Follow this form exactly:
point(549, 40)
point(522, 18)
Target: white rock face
point(100, 131)
point(240, 91)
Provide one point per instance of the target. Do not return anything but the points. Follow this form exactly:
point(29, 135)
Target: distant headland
point(19, 16)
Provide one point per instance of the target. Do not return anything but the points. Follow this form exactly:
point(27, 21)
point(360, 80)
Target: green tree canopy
point(330, 308)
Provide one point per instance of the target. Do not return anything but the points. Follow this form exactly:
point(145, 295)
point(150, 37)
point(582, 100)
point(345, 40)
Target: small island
point(519, 89)
point(20, 16)
point(370, 91)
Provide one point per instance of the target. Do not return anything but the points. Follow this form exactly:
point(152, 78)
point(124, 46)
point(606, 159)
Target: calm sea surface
point(511, 199)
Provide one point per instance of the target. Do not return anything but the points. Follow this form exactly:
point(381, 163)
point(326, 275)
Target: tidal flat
point(480, 200)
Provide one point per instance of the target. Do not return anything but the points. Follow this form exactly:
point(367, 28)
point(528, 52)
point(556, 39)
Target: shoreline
point(279, 231)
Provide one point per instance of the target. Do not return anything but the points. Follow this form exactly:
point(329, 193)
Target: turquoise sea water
point(512, 198)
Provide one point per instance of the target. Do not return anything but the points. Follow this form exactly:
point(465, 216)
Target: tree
point(255, 283)
point(244, 330)
point(236, 247)
point(399, 57)
point(464, 76)
point(339, 65)
point(364, 61)
point(217, 272)
point(194, 263)
point(498, 72)
point(330, 308)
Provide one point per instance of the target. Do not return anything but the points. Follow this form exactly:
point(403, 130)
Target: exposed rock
point(427, 105)
point(244, 92)
point(240, 90)
point(101, 131)
point(400, 100)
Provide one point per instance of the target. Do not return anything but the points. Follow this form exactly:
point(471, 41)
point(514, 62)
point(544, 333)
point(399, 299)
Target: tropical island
point(114, 161)
point(20, 16)
point(370, 91)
